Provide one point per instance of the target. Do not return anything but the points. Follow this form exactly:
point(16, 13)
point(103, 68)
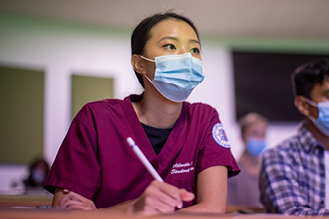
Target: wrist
point(127, 207)
point(130, 207)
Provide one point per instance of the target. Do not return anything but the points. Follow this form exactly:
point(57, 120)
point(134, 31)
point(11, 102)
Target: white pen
point(144, 160)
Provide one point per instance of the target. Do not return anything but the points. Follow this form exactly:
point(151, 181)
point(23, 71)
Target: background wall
point(21, 114)
point(61, 49)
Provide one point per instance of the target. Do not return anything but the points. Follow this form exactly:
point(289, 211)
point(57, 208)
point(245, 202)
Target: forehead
point(257, 125)
point(256, 129)
point(172, 27)
point(321, 89)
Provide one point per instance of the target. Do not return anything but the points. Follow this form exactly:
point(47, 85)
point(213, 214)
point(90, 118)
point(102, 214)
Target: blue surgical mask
point(176, 76)
point(255, 146)
point(322, 122)
point(38, 176)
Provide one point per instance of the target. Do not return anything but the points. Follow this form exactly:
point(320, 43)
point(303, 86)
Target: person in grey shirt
point(243, 189)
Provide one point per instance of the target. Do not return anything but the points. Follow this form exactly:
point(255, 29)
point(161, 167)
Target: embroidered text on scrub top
point(182, 168)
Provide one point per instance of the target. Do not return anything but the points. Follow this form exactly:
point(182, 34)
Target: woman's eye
point(169, 46)
point(195, 50)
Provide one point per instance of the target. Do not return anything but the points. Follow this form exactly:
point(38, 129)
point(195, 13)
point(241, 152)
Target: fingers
point(160, 197)
point(179, 195)
point(186, 195)
point(76, 205)
point(169, 194)
point(156, 206)
point(69, 196)
point(159, 200)
point(74, 201)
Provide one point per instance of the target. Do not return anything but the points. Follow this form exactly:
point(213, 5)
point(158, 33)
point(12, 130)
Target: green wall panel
point(21, 114)
point(86, 89)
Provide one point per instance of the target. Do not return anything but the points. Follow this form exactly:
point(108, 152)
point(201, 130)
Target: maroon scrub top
point(96, 162)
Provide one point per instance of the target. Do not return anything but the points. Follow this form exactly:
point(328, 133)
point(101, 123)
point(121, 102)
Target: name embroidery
point(182, 168)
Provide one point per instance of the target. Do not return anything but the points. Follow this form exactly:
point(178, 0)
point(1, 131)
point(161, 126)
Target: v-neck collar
point(170, 146)
point(140, 137)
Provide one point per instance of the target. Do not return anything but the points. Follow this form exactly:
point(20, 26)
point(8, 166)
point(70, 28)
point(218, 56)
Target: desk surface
point(24, 206)
point(34, 200)
point(24, 200)
point(24, 213)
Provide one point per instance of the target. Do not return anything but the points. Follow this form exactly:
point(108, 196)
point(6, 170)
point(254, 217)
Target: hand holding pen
point(158, 197)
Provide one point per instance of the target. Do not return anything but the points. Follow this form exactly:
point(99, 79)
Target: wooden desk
point(244, 209)
point(24, 207)
point(33, 201)
point(28, 213)
point(24, 200)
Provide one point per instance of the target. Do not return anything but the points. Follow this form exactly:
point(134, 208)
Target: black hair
point(30, 182)
point(305, 77)
point(249, 119)
point(141, 33)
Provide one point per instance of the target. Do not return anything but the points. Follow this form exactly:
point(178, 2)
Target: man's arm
point(280, 189)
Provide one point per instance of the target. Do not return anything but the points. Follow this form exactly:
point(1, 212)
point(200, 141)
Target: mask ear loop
point(150, 61)
point(148, 79)
point(145, 74)
point(312, 104)
point(146, 58)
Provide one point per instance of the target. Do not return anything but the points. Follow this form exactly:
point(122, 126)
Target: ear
point(138, 64)
point(302, 105)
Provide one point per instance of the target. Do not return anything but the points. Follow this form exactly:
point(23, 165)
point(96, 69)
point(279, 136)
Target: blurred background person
point(38, 171)
point(243, 189)
point(33, 184)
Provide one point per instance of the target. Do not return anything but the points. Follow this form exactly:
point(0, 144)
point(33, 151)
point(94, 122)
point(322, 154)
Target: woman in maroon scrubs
point(185, 143)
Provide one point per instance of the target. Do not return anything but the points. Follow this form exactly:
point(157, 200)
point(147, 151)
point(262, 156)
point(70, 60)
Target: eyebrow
point(176, 39)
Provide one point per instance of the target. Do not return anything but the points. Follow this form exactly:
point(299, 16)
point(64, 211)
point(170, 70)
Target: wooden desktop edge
point(27, 213)
point(22, 206)
point(33, 201)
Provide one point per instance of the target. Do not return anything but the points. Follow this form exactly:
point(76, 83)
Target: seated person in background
point(243, 189)
point(38, 172)
point(294, 178)
point(33, 184)
point(186, 143)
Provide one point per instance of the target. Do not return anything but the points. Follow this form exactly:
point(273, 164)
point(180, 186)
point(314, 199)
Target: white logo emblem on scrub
point(219, 135)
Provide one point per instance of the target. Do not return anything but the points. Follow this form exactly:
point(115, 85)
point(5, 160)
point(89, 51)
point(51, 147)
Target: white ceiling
point(226, 18)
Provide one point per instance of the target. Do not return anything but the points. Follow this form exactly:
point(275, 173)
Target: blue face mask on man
point(322, 122)
point(255, 146)
point(176, 76)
